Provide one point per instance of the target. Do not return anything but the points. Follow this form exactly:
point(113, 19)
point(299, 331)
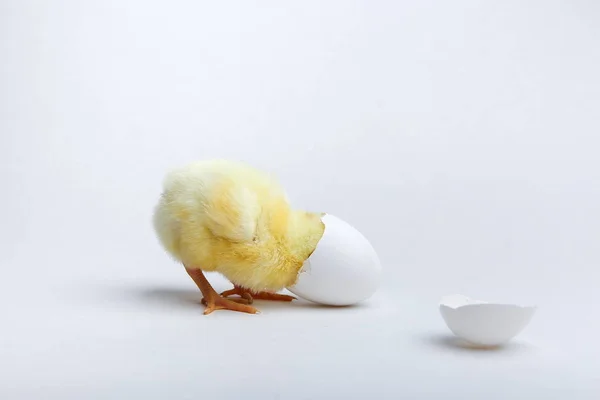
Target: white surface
point(460, 137)
point(482, 323)
point(343, 270)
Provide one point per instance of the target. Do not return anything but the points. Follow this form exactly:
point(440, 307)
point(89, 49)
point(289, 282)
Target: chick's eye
point(255, 239)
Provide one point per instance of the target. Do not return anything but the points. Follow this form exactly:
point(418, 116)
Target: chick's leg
point(212, 299)
point(250, 295)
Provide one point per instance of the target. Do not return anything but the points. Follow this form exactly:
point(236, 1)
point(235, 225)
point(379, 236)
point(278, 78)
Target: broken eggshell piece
point(343, 270)
point(482, 323)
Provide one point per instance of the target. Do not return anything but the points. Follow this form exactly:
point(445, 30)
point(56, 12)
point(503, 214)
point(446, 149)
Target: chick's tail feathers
point(168, 229)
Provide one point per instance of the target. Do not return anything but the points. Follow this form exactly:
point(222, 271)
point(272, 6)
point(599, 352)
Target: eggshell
point(484, 324)
point(343, 270)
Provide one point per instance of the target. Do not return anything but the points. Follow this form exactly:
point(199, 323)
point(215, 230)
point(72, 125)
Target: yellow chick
point(228, 217)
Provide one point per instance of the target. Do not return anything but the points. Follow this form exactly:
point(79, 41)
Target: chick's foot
point(236, 300)
point(249, 296)
point(221, 303)
point(212, 300)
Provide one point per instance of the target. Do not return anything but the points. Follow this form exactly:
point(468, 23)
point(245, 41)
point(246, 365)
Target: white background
point(461, 138)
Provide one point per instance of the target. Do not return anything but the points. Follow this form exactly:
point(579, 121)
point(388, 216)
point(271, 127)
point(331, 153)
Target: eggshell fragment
point(343, 270)
point(484, 324)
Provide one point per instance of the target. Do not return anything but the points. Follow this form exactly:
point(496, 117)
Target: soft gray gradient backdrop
point(461, 137)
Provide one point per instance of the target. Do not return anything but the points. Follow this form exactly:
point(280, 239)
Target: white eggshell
point(484, 324)
point(343, 270)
